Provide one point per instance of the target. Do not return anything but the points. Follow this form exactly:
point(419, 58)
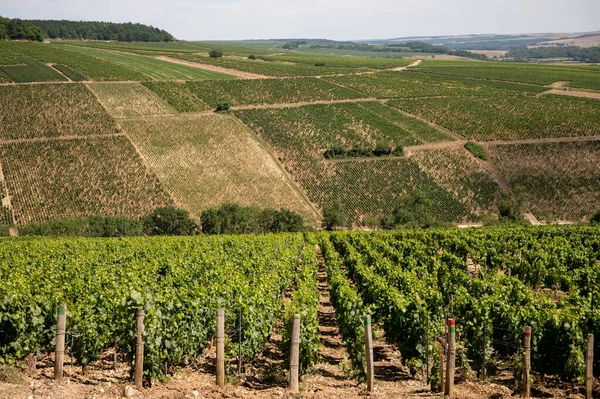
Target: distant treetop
point(72, 30)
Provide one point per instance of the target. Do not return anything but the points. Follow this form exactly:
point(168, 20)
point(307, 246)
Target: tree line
point(17, 29)
point(576, 53)
point(415, 46)
point(413, 211)
point(227, 219)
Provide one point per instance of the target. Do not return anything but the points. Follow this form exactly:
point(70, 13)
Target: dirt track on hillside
point(213, 68)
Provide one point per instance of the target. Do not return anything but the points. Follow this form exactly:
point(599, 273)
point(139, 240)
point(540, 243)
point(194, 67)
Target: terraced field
point(129, 100)
point(207, 160)
point(78, 177)
point(562, 180)
point(51, 110)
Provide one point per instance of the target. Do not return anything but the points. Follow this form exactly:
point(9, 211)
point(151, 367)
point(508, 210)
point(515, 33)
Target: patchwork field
point(178, 95)
point(91, 67)
point(499, 116)
point(51, 110)
point(78, 177)
point(207, 160)
point(30, 70)
point(562, 180)
point(407, 84)
point(149, 67)
point(367, 188)
point(129, 100)
point(463, 176)
point(356, 110)
point(195, 96)
point(577, 76)
point(271, 68)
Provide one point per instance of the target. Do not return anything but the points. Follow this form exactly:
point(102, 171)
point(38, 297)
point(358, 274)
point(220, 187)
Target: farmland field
point(78, 177)
point(195, 96)
point(51, 110)
point(367, 188)
point(31, 71)
point(149, 67)
point(4, 78)
point(562, 180)
point(460, 174)
point(577, 76)
point(500, 116)
point(406, 280)
point(270, 68)
point(129, 100)
point(397, 84)
point(207, 160)
point(91, 67)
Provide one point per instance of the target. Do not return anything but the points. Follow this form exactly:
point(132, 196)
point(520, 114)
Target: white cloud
point(335, 19)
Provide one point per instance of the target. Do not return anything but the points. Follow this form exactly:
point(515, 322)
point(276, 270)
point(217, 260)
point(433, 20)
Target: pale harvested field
point(463, 176)
point(207, 160)
point(130, 100)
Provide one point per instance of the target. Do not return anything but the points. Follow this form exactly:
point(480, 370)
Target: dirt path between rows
point(302, 103)
point(571, 93)
point(60, 72)
point(404, 68)
point(213, 68)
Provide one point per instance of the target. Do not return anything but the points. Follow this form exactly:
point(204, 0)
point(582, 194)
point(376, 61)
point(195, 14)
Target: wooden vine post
point(221, 348)
point(139, 350)
point(369, 352)
point(442, 374)
point(450, 359)
point(59, 351)
point(589, 366)
point(295, 354)
point(526, 361)
point(483, 371)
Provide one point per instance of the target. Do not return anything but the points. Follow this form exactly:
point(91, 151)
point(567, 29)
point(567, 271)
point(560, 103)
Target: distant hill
point(500, 42)
point(16, 29)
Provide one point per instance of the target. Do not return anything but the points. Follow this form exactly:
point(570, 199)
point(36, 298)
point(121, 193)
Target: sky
point(331, 19)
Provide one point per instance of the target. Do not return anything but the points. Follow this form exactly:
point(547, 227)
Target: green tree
point(512, 208)
point(169, 221)
point(416, 210)
point(215, 53)
point(333, 216)
point(596, 217)
point(210, 221)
